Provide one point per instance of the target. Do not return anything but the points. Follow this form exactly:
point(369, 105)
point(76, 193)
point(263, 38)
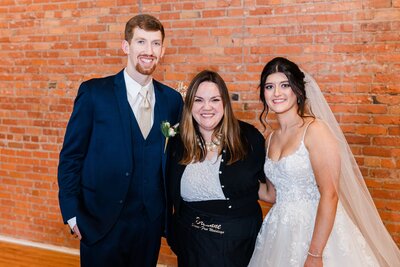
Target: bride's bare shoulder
point(318, 132)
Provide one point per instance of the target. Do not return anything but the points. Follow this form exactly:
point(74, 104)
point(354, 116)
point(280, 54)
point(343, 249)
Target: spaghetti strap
point(269, 141)
point(305, 130)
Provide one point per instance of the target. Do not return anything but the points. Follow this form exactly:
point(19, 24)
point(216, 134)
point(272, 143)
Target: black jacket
point(239, 181)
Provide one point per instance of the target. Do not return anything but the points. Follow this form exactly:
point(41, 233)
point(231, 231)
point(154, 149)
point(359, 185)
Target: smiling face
point(208, 108)
point(144, 52)
point(279, 96)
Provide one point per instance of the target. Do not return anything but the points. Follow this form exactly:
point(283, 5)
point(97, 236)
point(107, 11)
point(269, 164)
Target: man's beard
point(143, 71)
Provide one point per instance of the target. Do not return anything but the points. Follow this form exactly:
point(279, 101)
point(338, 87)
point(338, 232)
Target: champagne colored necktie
point(145, 112)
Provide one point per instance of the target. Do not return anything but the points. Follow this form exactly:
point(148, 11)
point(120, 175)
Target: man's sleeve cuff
point(72, 222)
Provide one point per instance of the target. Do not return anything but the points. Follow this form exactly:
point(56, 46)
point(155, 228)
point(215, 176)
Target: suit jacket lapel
point(175, 172)
point(124, 110)
point(162, 105)
point(161, 99)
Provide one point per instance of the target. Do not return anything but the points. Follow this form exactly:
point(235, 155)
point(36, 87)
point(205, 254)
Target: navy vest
point(146, 188)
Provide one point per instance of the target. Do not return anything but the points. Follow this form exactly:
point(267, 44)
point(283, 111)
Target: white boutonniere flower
point(168, 131)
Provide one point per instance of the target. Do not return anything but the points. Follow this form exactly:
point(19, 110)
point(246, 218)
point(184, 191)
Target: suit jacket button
point(127, 174)
point(121, 201)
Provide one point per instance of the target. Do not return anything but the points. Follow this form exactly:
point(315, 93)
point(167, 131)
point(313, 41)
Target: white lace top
point(200, 181)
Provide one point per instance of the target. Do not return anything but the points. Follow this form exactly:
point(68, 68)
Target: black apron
point(208, 240)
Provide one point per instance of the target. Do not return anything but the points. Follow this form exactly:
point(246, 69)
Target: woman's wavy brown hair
point(228, 128)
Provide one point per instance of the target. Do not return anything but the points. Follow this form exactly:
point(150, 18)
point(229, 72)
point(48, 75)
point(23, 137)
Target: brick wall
point(352, 48)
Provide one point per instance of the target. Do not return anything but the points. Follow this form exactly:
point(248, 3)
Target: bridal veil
point(353, 192)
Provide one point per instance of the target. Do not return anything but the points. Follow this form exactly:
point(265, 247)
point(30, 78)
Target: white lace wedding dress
point(286, 232)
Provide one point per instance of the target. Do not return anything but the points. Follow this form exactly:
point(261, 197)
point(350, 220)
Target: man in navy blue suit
point(112, 164)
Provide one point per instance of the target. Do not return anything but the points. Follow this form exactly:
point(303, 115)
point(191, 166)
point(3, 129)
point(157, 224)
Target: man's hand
point(76, 232)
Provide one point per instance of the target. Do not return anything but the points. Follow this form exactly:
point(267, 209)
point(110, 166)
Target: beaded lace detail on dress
point(292, 177)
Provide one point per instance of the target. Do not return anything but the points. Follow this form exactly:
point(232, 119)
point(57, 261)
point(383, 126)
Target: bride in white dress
point(323, 214)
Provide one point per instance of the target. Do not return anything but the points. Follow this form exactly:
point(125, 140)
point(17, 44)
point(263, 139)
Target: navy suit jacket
point(96, 163)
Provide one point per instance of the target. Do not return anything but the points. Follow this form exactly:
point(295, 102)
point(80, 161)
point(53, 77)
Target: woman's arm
point(325, 161)
point(266, 192)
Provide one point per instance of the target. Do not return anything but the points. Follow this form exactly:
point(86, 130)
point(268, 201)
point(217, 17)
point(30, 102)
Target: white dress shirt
point(134, 99)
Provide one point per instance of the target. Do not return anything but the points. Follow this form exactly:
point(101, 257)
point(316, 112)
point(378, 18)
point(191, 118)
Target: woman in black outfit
point(214, 171)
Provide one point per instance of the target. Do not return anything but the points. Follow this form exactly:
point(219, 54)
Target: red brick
point(376, 109)
point(377, 3)
point(387, 141)
point(373, 129)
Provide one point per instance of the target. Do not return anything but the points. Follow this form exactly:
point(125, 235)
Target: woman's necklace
point(212, 145)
